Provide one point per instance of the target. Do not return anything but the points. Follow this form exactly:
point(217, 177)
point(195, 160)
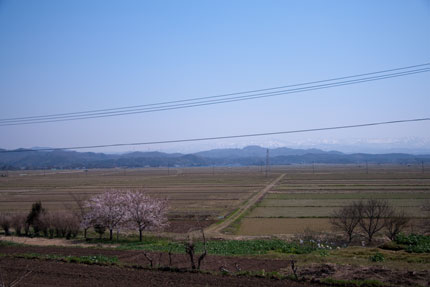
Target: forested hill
point(252, 155)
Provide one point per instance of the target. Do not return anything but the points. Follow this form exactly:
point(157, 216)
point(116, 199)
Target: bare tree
point(81, 213)
point(426, 220)
point(346, 220)
point(18, 222)
point(190, 250)
point(293, 266)
point(396, 223)
point(62, 223)
point(373, 214)
point(47, 224)
point(5, 222)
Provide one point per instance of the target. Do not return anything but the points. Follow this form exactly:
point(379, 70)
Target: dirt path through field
point(215, 229)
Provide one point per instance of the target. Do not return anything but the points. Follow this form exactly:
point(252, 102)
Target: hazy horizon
point(371, 146)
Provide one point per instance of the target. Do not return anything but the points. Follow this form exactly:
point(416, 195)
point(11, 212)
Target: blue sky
point(67, 56)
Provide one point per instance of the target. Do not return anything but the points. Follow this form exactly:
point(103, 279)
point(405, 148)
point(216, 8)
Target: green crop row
point(93, 259)
point(228, 247)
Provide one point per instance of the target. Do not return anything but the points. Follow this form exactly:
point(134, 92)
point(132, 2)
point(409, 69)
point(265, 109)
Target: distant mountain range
point(251, 155)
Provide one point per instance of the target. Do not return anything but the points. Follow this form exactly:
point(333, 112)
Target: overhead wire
point(176, 105)
point(230, 94)
point(224, 137)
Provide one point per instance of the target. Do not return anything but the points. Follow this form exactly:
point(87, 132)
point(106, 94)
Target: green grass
point(90, 260)
point(9, 243)
point(233, 228)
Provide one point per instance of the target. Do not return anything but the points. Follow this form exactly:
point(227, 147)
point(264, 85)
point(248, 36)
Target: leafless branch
point(293, 265)
point(149, 259)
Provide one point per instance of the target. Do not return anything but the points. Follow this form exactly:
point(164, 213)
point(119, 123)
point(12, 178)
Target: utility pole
point(168, 168)
point(267, 161)
point(422, 166)
point(313, 167)
point(367, 168)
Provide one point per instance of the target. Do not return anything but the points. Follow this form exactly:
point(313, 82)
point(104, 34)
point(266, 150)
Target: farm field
point(205, 193)
point(282, 209)
point(306, 197)
point(303, 199)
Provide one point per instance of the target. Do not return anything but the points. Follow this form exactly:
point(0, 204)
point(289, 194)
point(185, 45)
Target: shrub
point(396, 223)
point(377, 257)
point(18, 222)
point(412, 239)
point(5, 223)
point(414, 243)
point(33, 216)
point(60, 223)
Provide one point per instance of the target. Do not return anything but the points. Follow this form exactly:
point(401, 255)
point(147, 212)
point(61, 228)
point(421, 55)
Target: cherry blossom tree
point(131, 209)
point(86, 222)
point(107, 209)
point(145, 212)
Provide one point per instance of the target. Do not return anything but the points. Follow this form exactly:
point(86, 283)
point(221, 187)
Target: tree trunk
point(369, 241)
point(350, 236)
point(110, 234)
point(140, 235)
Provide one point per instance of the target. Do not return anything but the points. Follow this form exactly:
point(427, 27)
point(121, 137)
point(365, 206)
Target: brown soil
point(54, 273)
point(215, 230)
point(380, 273)
point(183, 226)
point(45, 273)
point(211, 262)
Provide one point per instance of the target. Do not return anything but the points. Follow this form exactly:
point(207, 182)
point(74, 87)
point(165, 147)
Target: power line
point(232, 99)
point(252, 96)
point(225, 95)
point(200, 102)
point(224, 137)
